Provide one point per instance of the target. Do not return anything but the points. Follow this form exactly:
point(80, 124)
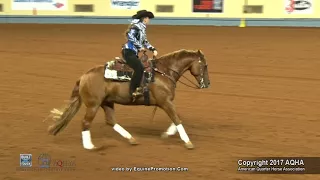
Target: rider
point(137, 42)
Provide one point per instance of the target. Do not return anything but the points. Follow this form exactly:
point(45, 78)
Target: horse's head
point(180, 61)
point(199, 69)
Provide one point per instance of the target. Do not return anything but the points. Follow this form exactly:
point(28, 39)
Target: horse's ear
point(200, 52)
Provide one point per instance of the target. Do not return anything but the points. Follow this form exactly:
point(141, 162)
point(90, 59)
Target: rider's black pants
point(134, 62)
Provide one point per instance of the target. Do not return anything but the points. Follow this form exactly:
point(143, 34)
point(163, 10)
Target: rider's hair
point(128, 29)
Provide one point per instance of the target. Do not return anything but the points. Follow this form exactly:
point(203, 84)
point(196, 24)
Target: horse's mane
point(179, 54)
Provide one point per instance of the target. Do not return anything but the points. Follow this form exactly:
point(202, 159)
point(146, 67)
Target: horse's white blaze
point(86, 140)
point(183, 134)
point(122, 131)
point(172, 130)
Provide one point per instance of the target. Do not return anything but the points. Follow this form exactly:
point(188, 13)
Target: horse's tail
point(63, 117)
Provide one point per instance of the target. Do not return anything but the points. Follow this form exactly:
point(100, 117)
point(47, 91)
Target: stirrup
point(137, 93)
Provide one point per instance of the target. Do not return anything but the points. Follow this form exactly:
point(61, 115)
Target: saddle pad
point(109, 73)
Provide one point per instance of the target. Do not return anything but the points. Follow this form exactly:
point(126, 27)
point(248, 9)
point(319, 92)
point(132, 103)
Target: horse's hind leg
point(86, 124)
point(111, 120)
point(169, 108)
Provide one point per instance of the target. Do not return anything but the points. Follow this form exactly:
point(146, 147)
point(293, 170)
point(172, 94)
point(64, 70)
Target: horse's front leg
point(172, 130)
point(169, 108)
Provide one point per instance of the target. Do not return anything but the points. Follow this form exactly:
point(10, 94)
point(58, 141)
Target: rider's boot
point(137, 93)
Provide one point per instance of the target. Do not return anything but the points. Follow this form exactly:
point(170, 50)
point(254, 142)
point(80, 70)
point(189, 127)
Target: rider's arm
point(132, 37)
point(148, 45)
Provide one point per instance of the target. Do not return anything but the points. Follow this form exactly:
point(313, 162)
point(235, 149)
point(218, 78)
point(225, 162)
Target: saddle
point(118, 70)
point(121, 64)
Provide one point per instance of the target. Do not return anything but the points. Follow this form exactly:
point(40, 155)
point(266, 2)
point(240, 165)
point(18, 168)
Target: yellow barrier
point(182, 8)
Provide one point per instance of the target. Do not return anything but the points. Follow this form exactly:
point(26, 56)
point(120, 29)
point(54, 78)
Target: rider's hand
point(155, 53)
point(142, 50)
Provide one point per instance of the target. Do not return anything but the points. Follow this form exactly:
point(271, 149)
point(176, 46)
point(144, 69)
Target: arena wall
point(168, 12)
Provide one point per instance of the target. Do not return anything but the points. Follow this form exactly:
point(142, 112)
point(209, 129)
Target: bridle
point(203, 68)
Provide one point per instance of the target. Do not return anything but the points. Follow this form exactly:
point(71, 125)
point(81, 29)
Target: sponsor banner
point(125, 4)
point(298, 6)
point(47, 5)
point(209, 6)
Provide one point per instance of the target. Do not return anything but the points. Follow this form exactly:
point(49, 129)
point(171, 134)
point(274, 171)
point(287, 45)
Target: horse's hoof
point(133, 141)
point(96, 148)
point(164, 135)
point(189, 145)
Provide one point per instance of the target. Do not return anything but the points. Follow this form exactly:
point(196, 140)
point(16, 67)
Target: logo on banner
point(298, 6)
point(47, 5)
point(125, 4)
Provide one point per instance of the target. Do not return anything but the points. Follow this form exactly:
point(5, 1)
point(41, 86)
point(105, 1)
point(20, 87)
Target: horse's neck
point(179, 67)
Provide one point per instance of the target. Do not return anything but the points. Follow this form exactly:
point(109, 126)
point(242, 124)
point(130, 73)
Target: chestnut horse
point(95, 91)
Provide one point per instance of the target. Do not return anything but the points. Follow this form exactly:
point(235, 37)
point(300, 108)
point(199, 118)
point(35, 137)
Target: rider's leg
point(133, 61)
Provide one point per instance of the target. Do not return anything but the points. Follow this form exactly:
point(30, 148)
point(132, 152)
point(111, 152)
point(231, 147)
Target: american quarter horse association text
point(95, 91)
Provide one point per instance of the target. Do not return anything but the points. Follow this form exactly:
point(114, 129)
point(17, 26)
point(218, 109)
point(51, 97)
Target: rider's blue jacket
point(137, 38)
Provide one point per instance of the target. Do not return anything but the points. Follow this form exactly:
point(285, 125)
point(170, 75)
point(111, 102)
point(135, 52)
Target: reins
point(196, 86)
point(173, 80)
point(168, 76)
